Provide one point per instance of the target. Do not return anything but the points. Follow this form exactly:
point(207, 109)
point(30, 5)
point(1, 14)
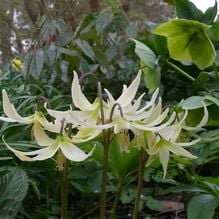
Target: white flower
point(50, 147)
point(127, 114)
point(37, 117)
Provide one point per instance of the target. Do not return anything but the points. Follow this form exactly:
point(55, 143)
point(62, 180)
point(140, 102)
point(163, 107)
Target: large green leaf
point(145, 54)
point(13, 189)
point(151, 77)
point(188, 41)
point(210, 14)
point(86, 48)
point(103, 20)
point(214, 31)
point(122, 163)
point(187, 10)
point(202, 206)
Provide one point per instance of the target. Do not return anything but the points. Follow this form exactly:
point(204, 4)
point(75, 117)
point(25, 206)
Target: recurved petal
point(20, 154)
point(5, 119)
point(58, 115)
point(48, 152)
point(171, 132)
point(154, 149)
point(81, 123)
point(202, 122)
point(187, 144)
point(79, 100)
point(52, 127)
point(129, 93)
point(180, 151)
point(41, 137)
point(86, 134)
point(164, 155)
point(72, 152)
point(111, 100)
point(156, 113)
point(132, 108)
point(11, 112)
point(120, 124)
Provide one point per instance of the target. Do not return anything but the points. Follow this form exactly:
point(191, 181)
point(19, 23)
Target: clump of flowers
point(157, 130)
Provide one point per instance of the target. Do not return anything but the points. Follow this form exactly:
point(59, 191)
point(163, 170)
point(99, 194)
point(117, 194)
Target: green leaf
point(193, 102)
point(122, 163)
point(187, 10)
point(151, 77)
point(103, 20)
point(160, 45)
point(13, 189)
point(210, 14)
point(188, 41)
point(184, 188)
point(37, 63)
point(131, 30)
point(214, 31)
point(86, 48)
point(202, 207)
point(85, 25)
point(202, 77)
point(67, 51)
point(153, 204)
point(145, 54)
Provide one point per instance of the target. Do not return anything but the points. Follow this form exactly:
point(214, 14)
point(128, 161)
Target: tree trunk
point(95, 5)
point(31, 10)
point(126, 5)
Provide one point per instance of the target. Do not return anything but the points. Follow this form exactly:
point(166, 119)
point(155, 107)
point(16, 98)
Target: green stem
point(64, 189)
point(185, 74)
point(104, 182)
point(143, 159)
point(117, 198)
point(105, 157)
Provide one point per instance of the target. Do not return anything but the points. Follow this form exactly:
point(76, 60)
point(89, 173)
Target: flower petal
point(11, 112)
point(186, 144)
point(79, 100)
point(202, 122)
point(86, 134)
point(49, 151)
point(21, 155)
point(40, 136)
point(129, 94)
point(73, 153)
point(180, 151)
point(58, 115)
point(164, 155)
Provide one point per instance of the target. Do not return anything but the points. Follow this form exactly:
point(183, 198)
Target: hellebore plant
point(157, 132)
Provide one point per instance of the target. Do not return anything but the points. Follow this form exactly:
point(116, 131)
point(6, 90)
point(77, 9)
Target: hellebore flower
point(37, 117)
point(50, 147)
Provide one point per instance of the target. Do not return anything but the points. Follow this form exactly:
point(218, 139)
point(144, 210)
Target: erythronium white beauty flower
point(162, 148)
point(167, 140)
point(88, 112)
point(37, 117)
point(50, 147)
point(172, 132)
point(87, 117)
point(127, 115)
